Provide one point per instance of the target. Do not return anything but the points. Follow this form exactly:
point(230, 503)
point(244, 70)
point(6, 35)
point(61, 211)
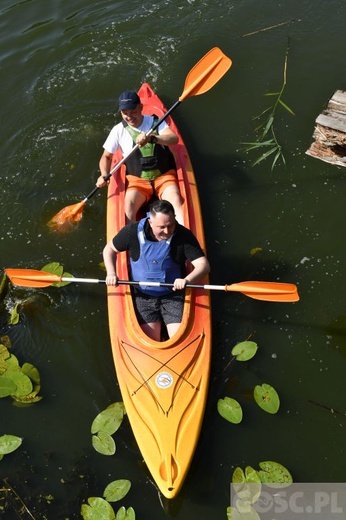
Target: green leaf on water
point(23, 383)
point(125, 514)
point(31, 371)
point(4, 352)
point(12, 363)
point(117, 490)
point(61, 284)
point(244, 350)
point(230, 410)
point(274, 473)
point(110, 419)
point(247, 487)
point(57, 269)
point(53, 268)
point(104, 443)
point(14, 315)
point(97, 509)
point(7, 386)
point(286, 107)
point(267, 398)
point(9, 443)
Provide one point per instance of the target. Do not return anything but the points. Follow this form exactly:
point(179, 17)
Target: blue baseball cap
point(128, 100)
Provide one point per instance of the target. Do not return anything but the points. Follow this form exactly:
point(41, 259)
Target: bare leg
point(172, 194)
point(152, 330)
point(134, 200)
point(172, 328)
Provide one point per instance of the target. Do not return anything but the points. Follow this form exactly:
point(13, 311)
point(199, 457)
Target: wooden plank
point(331, 120)
point(330, 132)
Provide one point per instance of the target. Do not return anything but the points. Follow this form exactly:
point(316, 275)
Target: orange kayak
point(163, 384)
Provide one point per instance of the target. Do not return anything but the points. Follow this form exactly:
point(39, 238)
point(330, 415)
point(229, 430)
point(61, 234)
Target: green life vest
point(148, 159)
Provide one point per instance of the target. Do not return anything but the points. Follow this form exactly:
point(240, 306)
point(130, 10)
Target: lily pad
point(104, 443)
point(117, 490)
point(53, 268)
point(96, 509)
point(9, 443)
point(23, 383)
point(7, 386)
point(244, 350)
point(12, 363)
point(109, 420)
point(267, 398)
point(27, 399)
point(4, 352)
point(274, 473)
point(57, 269)
point(230, 410)
point(31, 371)
point(247, 485)
point(126, 514)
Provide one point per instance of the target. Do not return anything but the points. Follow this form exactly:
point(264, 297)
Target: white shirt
point(119, 137)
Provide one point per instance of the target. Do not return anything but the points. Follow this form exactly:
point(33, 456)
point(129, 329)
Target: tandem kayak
point(163, 384)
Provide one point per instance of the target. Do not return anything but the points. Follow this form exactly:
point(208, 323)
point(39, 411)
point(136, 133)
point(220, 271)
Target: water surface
point(63, 65)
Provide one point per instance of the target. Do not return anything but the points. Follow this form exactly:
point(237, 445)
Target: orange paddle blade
point(267, 291)
point(206, 73)
point(31, 277)
point(67, 217)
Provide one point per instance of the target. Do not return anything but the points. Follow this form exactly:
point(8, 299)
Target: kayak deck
point(163, 384)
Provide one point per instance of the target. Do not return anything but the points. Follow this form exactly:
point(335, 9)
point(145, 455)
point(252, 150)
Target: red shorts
point(155, 187)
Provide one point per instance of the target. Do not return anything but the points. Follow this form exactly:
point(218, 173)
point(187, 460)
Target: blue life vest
point(154, 264)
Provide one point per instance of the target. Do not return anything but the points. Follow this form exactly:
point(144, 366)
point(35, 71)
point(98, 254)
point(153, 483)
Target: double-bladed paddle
point(266, 291)
point(201, 78)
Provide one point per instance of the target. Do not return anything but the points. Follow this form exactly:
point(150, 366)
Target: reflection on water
point(63, 65)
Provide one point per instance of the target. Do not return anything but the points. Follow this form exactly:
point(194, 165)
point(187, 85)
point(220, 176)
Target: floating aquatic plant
point(265, 395)
point(57, 269)
point(22, 383)
point(244, 350)
point(104, 425)
point(230, 410)
point(8, 444)
point(247, 487)
point(267, 398)
point(266, 135)
point(98, 507)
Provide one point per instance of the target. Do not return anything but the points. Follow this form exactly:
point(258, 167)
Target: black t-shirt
point(184, 244)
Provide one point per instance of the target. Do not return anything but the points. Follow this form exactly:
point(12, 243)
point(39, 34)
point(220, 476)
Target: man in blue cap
point(151, 169)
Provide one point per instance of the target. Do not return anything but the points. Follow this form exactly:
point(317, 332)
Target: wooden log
point(330, 132)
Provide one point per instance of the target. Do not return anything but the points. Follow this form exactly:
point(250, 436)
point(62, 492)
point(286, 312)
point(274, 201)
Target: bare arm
point(165, 138)
point(201, 268)
point(110, 260)
point(105, 166)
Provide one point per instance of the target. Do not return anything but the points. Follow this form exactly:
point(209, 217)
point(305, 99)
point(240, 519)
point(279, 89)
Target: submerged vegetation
point(267, 139)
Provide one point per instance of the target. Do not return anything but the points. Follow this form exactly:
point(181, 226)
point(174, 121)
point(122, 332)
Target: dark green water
point(63, 64)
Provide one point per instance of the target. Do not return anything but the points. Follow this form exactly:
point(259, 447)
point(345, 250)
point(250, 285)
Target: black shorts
point(151, 309)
